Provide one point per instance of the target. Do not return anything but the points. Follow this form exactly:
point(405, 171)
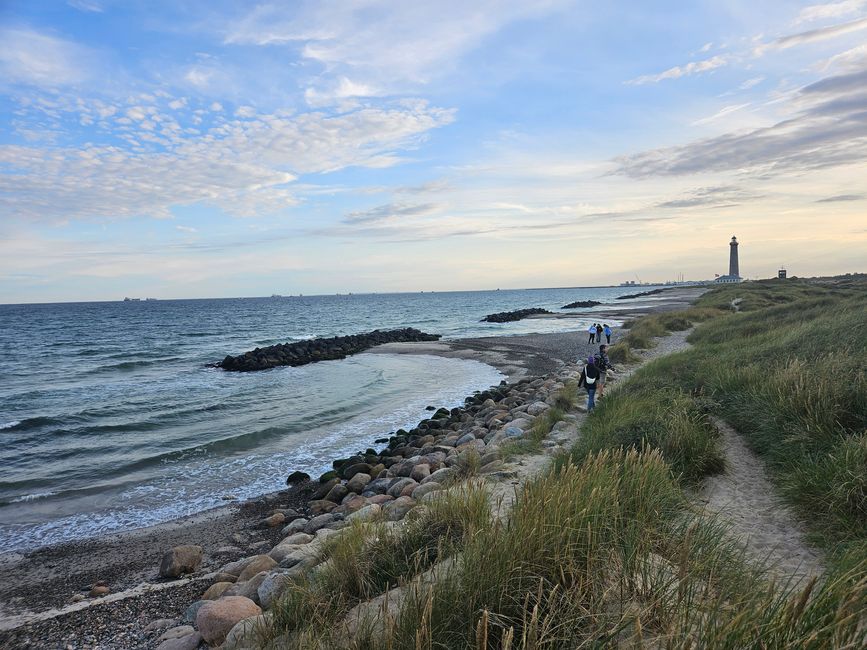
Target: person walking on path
point(592, 330)
point(598, 332)
point(603, 365)
point(589, 378)
point(607, 331)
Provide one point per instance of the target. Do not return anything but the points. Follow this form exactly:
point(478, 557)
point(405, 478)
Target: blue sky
point(197, 149)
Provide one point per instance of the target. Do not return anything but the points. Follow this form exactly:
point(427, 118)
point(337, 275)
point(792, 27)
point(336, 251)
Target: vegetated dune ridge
point(613, 546)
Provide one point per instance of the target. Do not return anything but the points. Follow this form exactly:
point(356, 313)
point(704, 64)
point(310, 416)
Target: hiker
point(603, 365)
point(592, 330)
point(607, 331)
point(588, 379)
point(598, 333)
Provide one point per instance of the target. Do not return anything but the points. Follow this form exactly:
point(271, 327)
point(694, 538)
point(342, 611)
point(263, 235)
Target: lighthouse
point(734, 274)
point(733, 258)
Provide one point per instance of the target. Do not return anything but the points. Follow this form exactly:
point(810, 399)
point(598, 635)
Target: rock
point(380, 499)
point(337, 493)
point(298, 538)
point(159, 624)
point(324, 489)
point(358, 482)
point(235, 568)
point(279, 552)
point(398, 486)
point(493, 466)
point(321, 506)
point(297, 477)
point(177, 632)
point(216, 618)
point(355, 468)
point(99, 590)
point(464, 439)
point(420, 472)
point(224, 577)
point(247, 634)
point(191, 612)
point(180, 560)
point(376, 486)
point(398, 508)
point(274, 520)
point(537, 408)
point(351, 504)
point(513, 432)
point(216, 590)
point(367, 513)
point(187, 642)
point(296, 526)
point(318, 522)
point(248, 588)
point(272, 587)
point(427, 488)
point(77, 598)
point(257, 564)
point(440, 476)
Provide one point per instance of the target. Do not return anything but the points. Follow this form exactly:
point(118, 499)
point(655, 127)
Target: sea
point(111, 419)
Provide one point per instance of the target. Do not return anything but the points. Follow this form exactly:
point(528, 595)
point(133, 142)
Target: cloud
point(90, 6)
point(32, 58)
point(186, 229)
point(694, 67)
point(827, 127)
point(750, 83)
point(811, 36)
point(717, 196)
point(244, 167)
point(390, 212)
point(378, 45)
point(842, 198)
point(829, 10)
point(721, 113)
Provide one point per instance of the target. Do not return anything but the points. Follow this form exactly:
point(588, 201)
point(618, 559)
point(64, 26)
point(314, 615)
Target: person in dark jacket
point(589, 379)
point(598, 332)
point(603, 365)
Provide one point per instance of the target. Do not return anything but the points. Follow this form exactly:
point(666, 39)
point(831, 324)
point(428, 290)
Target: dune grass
point(605, 550)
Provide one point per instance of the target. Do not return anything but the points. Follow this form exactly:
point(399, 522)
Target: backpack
point(588, 380)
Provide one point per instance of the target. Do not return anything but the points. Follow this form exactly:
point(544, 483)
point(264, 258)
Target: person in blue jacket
point(607, 331)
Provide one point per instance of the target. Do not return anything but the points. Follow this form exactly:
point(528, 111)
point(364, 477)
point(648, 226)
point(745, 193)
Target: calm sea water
point(109, 419)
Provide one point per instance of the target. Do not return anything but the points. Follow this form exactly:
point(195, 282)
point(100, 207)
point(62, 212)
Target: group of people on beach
point(596, 330)
point(595, 373)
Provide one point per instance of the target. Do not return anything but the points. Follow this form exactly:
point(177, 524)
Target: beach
point(37, 596)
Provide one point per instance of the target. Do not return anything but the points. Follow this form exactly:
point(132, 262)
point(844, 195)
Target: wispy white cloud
point(676, 72)
point(188, 229)
point(728, 110)
point(811, 36)
point(751, 83)
point(91, 6)
point(34, 58)
point(374, 46)
point(830, 10)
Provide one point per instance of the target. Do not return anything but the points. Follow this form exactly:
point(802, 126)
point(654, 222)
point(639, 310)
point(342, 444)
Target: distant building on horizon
point(781, 274)
point(734, 270)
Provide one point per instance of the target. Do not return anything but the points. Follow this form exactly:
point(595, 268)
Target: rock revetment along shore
point(300, 353)
point(509, 316)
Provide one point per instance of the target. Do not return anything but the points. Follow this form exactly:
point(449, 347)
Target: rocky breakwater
point(322, 349)
point(508, 316)
point(370, 486)
point(581, 303)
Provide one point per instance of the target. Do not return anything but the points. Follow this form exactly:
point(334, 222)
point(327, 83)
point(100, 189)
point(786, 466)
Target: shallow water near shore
point(109, 419)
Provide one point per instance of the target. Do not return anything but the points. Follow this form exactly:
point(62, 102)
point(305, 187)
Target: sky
point(208, 148)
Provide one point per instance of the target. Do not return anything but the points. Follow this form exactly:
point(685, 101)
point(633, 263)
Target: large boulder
point(247, 634)
point(181, 560)
point(216, 618)
point(398, 486)
point(358, 482)
point(273, 586)
point(216, 590)
point(257, 564)
point(189, 641)
point(397, 509)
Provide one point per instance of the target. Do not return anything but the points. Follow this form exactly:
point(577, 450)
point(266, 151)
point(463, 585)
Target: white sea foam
point(9, 425)
point(32, 497)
